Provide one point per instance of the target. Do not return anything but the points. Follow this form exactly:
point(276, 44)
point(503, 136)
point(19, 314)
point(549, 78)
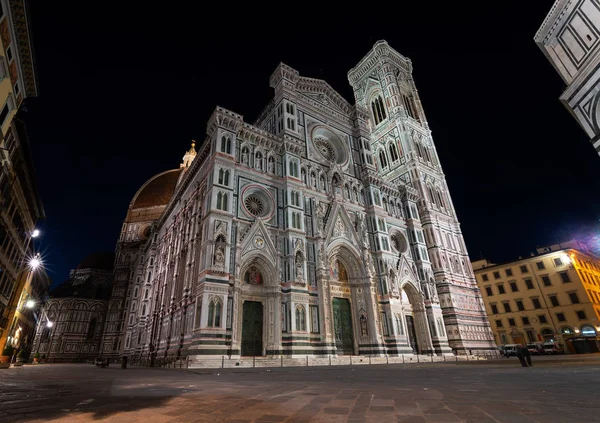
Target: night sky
point(124, 88)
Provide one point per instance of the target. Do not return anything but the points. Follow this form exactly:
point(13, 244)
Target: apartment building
point(552, 295)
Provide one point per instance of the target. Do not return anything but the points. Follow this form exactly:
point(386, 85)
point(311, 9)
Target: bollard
point(330, 359)
point(418, 358)
point(387, 359)
point(369, 360)
point(222, 361)
point(306, 361)
point(444, 358)
point(253, 361)
point(402, 358)
point(282, 361)
point(351, 360)
point(432, 357)
point(456, 356)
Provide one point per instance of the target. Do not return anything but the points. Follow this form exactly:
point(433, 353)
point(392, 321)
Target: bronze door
point(342, 321)
point(252, 325)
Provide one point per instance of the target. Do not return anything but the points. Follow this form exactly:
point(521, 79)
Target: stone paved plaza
point(554, 390)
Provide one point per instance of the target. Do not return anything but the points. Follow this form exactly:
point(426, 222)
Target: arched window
point(382, 159)
point(300, 318)
point(226, 179)
point(399, 325)
point(225, 203)
point(378, 110)
point(219, 200)
point(393, 152)
point(439, 198)
point(215, 308)
point(143, 309)
point(228, 146)
point(431, 196)
point(223, 144)
point(91, 329)
point(221, 176)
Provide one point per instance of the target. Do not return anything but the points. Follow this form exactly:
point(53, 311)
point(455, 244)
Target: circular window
point(254, 204)
point(325, 149)
point(399, 242)
point(329, 145)
point(256, 201)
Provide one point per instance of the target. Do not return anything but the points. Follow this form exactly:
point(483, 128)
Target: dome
point(157, 191)
point(103, 261)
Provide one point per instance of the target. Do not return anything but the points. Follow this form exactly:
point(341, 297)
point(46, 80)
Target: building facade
point(553, 295)
point(20, 205)
point(322, 228)
point(73, 319)
point(569, 38)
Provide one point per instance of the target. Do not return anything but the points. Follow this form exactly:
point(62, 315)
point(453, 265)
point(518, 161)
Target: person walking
point(521, 355)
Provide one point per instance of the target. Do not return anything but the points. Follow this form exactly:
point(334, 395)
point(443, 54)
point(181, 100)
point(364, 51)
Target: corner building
point(322, 228)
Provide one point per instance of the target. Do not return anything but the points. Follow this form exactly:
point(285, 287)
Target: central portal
point(252, 328)
point(342, 321)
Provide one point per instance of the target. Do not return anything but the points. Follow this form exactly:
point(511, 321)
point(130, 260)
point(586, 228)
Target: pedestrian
point(527, 356)
point(521, 355)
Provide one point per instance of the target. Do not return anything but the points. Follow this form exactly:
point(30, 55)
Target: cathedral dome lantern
point(189, 156)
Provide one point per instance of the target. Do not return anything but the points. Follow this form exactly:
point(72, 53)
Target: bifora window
point(378, 110)
point(215, 308)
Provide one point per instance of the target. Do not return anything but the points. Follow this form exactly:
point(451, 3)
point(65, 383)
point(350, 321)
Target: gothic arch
point(264, 264)
point(342, 250)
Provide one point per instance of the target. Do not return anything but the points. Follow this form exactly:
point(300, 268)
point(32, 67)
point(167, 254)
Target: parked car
point(536, 348)
point(510, 350)
point(553, 348)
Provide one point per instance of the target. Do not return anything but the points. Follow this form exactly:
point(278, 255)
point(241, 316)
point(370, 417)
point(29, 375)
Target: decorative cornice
point(23, 40)
point(554, 16)
point(260, 138)
point(380, 50)
point(409, 193)
point(224, 118)
point(318, 86)
point(283, 72)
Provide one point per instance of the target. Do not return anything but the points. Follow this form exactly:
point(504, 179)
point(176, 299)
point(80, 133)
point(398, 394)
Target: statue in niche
point(313, 180)
point(245, 156)
point(364, 235)
point(363, 325)
point(220, 256)
point(299, 267)
point(320, 216)
point(271, 165)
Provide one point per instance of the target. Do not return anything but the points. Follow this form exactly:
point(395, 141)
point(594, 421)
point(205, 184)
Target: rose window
point(325, 149)
point(254, 205)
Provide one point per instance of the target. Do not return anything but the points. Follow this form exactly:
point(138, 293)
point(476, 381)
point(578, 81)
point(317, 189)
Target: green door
point(252, 328)
point(342, 321)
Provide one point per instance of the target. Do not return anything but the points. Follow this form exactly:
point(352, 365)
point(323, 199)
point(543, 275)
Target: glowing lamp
point(30, 303)
point(35, 233)
point(35, 262)
point(49, 324)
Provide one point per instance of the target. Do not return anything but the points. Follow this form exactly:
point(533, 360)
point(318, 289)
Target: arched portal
point(256, 312)
point(350, 316)
point(415, 319)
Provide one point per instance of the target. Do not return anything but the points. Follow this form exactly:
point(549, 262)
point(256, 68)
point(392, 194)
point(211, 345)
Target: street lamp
point(35, 233)
point(30, 303)
point(35, 262)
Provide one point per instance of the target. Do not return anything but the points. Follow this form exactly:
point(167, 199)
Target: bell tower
point(405, 156)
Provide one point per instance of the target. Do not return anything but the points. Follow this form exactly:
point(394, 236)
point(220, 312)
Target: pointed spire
point(189, 156)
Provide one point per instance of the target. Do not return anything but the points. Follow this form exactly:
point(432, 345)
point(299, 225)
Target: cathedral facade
point(322, 228)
